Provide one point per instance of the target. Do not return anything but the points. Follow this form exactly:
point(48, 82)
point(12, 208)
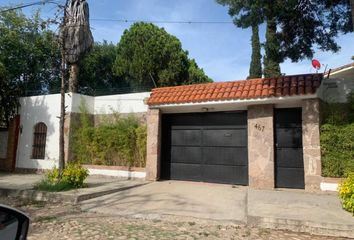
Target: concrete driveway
point(189, 199)
point(316, 213)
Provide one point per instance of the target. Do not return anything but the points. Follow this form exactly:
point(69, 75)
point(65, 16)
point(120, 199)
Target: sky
point(222, 50)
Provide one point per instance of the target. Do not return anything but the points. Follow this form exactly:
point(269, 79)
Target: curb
point(324, 229)
point(60, 197)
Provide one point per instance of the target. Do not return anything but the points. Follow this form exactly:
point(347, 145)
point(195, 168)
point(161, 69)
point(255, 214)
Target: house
point(263, 133)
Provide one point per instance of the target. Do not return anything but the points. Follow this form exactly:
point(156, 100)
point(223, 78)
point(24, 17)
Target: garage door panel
point(228, 118)
point(182, 137)
point(184, 119)
point(289, 157)
point(289, 137)
point(225, 174)
point(210, 147)
point(186, 154)
point(290, 178)
point(225, 137)
point(182, 171)
point(225, 156)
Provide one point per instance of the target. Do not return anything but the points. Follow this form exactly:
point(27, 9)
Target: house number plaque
point(259, 127)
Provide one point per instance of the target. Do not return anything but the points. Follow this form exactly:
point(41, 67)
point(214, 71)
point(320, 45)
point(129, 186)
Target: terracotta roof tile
point(246, 89)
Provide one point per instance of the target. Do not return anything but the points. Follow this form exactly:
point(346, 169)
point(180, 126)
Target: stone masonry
point(261, 147)
point(153, 144)
point(311, 143)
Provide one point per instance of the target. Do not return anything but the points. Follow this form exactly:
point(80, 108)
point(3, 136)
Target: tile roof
point(246, 89)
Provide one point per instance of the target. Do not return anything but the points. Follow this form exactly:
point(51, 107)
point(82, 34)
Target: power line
point(157, 21)
point(43, 2)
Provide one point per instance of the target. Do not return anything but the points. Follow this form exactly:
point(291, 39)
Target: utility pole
point(62, 92)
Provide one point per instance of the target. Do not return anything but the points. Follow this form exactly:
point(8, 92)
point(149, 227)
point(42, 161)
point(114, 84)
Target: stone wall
point(311, 143)
point(261, 147)
point(153, 144)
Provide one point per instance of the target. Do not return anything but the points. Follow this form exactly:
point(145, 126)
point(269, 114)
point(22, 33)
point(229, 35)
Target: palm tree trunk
point(73, 81)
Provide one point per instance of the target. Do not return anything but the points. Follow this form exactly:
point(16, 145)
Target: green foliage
point(73, 176)
point(256, 62)
point(337, 139)
point(45, 185)
point(337, 147)
point(346, 193)
point(196, 74)
point(29, 51)
point(8, 97)
point(96, 76)
point(29, 59)
point(272, 58)
point(147, 53)
point(120, 141)
point(294, 28)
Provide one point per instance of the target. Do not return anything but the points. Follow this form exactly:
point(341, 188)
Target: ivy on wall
point(120, 141)
point(337, 139)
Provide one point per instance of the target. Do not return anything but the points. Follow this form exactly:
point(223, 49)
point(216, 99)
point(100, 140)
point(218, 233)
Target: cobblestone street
point(55, 221)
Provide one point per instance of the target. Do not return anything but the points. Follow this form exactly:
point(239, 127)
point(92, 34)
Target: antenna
point(153, 80)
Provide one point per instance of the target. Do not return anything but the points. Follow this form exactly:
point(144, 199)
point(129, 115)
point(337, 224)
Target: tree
point(148, 55)
point(29, 52)
point(196, 74)
point(248, 14)
point(294, 27)
point(28, 57)
point(9, 93)
point(272, 58)
point(96, 76)
point(256, 58)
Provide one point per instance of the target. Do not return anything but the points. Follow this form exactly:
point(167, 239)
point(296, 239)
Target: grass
point(46, 186)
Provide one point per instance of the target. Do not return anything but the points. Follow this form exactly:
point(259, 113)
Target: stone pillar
point(153, 144)
point(261, 147)
point(311, 143)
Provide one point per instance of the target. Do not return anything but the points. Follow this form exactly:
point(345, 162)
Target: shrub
point(116, 141)
point(45, 185)
point(73, 176)
point(337, 147)
point(337, 139)
point(346, 193)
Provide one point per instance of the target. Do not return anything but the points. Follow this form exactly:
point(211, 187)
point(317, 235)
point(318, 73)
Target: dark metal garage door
point(208, 147)
point(289, 164)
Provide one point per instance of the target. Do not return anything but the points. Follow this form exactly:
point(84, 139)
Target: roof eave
point(268, 100)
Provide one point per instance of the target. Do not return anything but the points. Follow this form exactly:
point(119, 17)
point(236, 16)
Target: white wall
point(336, 89)
point(47, 109)
point(78, 99)
point(123, 103)
point(34, 110)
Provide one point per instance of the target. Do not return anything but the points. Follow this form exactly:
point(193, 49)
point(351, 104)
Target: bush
point(346, 193)
point(337, 147)
point(73, 176)
point(337, 139)
point(117, 141)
